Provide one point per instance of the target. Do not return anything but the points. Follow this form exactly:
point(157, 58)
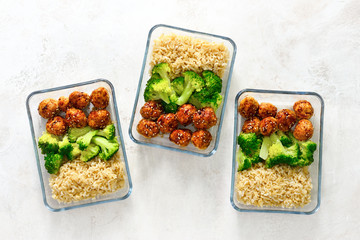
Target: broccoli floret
point(249, 142)
point(108, 132)
point(204, 98)
point(53, 162)
point(170, 107)
point(74, 133)
point(244, 161)
point(108, 147)
point(306, 149)
point(264, 150)
point(75, 152)
point(91, 151)
point(178, 85)
point(48, 143)
point(192, 82)
point(157, 89)
point(65, 146)
point(284, 139)
point(85, 140)
point(163, 69)
point(212, 81)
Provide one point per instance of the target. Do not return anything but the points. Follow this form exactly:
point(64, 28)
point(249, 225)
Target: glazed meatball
point(201, 139)
point(99, 98)
point(180, 137)
point(303, 130)
point(248, 107)
point(185, 114)
point(99, 119)
point(251, 125)
point(268, 126)
point(75, 118)
point(63, 103)
point(56, 125)
point(286, 119)
point(303, 109)
point(267, 110)
point(79, 100)
point(167, 122)
point(48, 108)
point(151, 110)
point(204, 118)
point(148, 128)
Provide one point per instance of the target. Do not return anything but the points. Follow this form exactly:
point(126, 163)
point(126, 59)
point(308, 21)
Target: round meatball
point(204, 118)
point(99, 119)
point(151, 110)
point(147, 128)
point(303, 130)
point(56, 125)
point(99, 98)
point(267, 110)
point(268, 126)
point(63, 103)
point(286, 119)
point(251, 125)
point(248, 107)
point(201, 139)
point(48, 108)
point(167, 122)
point(180, 137)
point(185, 114)
point(79, 100)
point(75, 118)
point(303, 109)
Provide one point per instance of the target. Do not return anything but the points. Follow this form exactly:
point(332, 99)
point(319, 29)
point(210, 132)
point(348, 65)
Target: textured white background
point(302, 45)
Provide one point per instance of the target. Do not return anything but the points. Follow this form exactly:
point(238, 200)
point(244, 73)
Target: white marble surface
point(302, 45)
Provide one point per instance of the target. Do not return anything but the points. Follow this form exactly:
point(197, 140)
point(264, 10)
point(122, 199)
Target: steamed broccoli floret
point(249, 142)
point(53, 162)
point(48, 143)
point(212, 81)
point(157, 89)
point(163, 69)
point(108, 132)
point(169, 107)
point(244, 161)
point(85, 140)
point(65, 146)
point(178, 85)
point(284, 139)
point(192, 82)
point(264, 150)
point(306, 149)
point(204, 98)
point(74, 133)
point(75, 152)
point(91, 151)
point(108, 147)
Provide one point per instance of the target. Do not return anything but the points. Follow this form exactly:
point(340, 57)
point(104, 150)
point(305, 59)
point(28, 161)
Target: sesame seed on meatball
point(147, 128)
point(56, 125)
point(267, 110)
point(167, 122)
point(268, 126)
point(248, 107)
point(79, 100)
point(48, 108)
point(180, 137)
point(185, 114)
point(204, 118)
point(303, 109)
point(75, 118)
point(303, 130)
point(99, 119)
point(151, 110)
point(251, 125)
point(286, 119)
point(201, 138)
point(64, 103)
point(100, 98)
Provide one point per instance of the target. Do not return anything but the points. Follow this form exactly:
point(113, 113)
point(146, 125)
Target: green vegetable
point(65, 146)
point(108, 132)
point(159, 89)
point(244, 161)
point(178, 85)
point(75, 152)
point(249, 150)
point(48, 143)
point(163, 70)
point(170, 107)
point(204, 98)
point(306, 152)
point(264, 150)
point(74, 133)
point(85, 140)
point(90, 152)
point(212, 81)
point(284, 139)
point(108, 147)
point(53, 162)
point(192, 82)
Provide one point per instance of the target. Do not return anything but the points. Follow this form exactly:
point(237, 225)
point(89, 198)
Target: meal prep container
point(283, 99)
point(163, 141)
point(37, 127)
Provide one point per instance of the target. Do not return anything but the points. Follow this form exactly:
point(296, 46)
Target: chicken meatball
point(303, 109)
point(268, 126)
point(251, 125)
point(63, 103)
point(56, 125)
point(286, 119)
point(180, 137)
point(267, 110)
point(167, 122)
point(185, 114)
point(248, 107)
point(79, 100)
point(48, 108)
point(303, 130)
point(75, 118)
point(201, 139)
point(204, 118)
point(151, 110)
point(99, 98)
point(99, 119)
point(147, 128)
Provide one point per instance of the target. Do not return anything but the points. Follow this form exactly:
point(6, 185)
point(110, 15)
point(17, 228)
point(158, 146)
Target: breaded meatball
point(251, 125)
point(201, 139)
point(267, 110)
point(75, 118)
point(286, 119)
point(48, 108)
point(303, 109)
point(248, 107)
point(204, 118)
point(79, 100)
point(185, 114)
point(64, 103)
point(99, 98)
point(56, 125)
point(148, 128)
point(167, 122)
point(99, 119)
point(151, 110)
point(180, 137)
point(303, 130)
point(268, 126)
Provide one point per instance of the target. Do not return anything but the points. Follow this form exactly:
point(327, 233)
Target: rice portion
point(184, 53)
point(79, 180)
point(280, 186)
